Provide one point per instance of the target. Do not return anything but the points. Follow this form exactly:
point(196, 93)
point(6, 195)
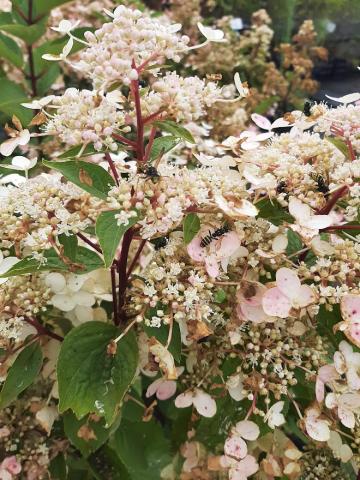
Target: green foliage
point(22, 373)
point(294, 242)
point(90, 177)
point(152, 452)
point(162, 145)
point(176, 130)
point(191, 226)
point(272, 211)
point(91, 379)
point(162, 333)
point(109, 233)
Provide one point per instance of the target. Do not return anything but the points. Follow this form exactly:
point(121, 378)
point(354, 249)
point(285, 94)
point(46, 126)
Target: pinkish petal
point(279, 123)
point(260, 121)
point(248, 466)
point(247, 430)
point(204, 403)
point(305, 297)
point(346, 417)
point(350, 308)
point(212, 266)
point(7, 147)
point(166, 390)
point(253, 314)
point(235, 447)
point(227, 245)
point(184, 400)
point(288, 282)
point(195, 251)
point(317, 222)
point(152, 388)
point(276, 304)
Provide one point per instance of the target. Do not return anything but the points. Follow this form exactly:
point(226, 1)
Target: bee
point(281, 187)
point(308, 104)
point(219, 232)
point(160, 242)
point(152, 172)
point(321, 183)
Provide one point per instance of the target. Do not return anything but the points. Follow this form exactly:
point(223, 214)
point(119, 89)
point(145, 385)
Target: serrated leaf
point(152, 452)
point(90, 177)
point(22, 373)
point(162, 145)
point(87, 434)
point(176, 130)
point(191, 226)
point(85, 261)
point(109, 233)
point(90, 379)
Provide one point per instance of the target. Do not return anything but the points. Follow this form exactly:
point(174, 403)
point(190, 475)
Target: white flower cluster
point(30, 213)
point(184, 99)
point(84, 117)
point(131, 36)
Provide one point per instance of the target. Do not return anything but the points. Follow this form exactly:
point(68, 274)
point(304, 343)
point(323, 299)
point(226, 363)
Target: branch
point(112, 167)
point(42, 330)
point(332, 202)
point(139, 119)
point(121, 268)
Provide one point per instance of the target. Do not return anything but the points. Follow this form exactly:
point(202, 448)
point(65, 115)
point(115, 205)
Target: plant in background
point(172, 308)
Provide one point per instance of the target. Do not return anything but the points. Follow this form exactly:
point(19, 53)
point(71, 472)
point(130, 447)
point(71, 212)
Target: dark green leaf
point(70, 244)
point(175, 130)
point(110, 233)
point(97, 428)
point(152, 452)
point(86, 261)
point(325, 325)
point(105, 464)
point(74, 152)
point(191, 226)
point(90, 177)
point(273, 212)
point(294, 242)
point(11, 51)
point(340, 145)
point(57, 468)
point(22, 373)
point(90, 379)
point(162, 145)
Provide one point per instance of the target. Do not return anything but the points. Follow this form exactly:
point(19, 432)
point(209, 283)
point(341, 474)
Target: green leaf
point(162, 145)
point(340, 145)
point(21, 374)
point(294, 242)
point(11, 96)
point(191, 226)
point(106, 464)
point(95, 428)
point(47, 78)
point(152, 452)
point(29, 33)
point(86, 261)
point(325, 324)
point(109, 233)
point(11, 51)
point(90, 177)
point(45, 6)
point(220, 296)
point(273, 212)
point(90, 379)
point(57, 468)
point(70, 244)
point(175, 130)
point(74, 152)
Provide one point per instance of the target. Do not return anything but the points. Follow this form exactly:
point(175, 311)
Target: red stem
point(125, 140)
point(113, 289)
point(136, 258)
point(89, 242)
point(41, 330)
point(112, 167)
point(341, 227)
point(139, 119)
point(153, 116)
point(332, 202)
point(121, 268)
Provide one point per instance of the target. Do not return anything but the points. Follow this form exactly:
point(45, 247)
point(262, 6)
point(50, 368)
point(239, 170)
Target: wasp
point(321, 183)
point(219, 232)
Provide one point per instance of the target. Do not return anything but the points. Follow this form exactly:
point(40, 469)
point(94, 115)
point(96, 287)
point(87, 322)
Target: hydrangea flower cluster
point(145, 274)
